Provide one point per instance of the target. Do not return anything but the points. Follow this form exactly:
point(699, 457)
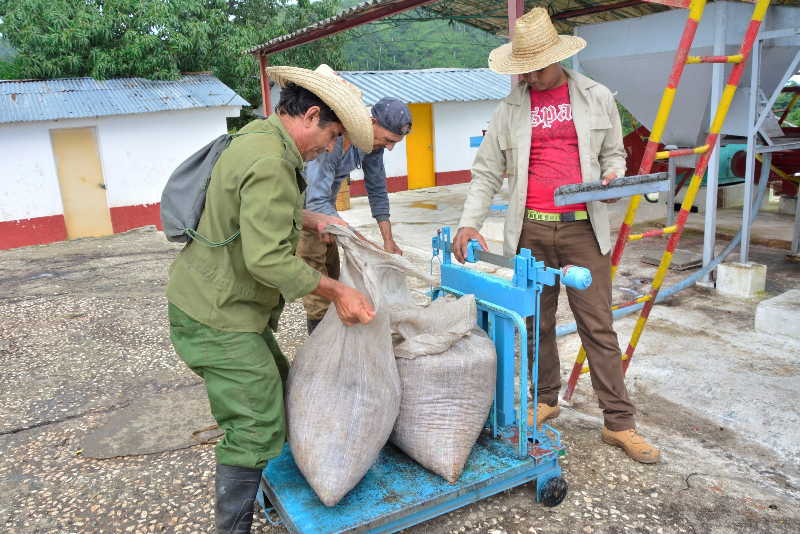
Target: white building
point(82, 157)
point(450, 108)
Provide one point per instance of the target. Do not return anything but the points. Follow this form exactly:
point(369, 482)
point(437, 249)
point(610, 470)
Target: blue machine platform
point(397, 492)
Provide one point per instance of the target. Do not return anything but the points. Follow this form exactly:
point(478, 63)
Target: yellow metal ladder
point(682, 58)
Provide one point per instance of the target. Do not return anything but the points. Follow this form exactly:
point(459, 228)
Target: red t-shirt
point(554, 159)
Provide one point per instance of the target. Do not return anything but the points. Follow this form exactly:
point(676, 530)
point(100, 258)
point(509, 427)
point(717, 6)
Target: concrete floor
point(96, 411)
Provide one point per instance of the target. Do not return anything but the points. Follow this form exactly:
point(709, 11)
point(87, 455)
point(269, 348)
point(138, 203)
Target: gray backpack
point(184, 196)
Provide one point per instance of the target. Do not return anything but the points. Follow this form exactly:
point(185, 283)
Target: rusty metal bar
point(262, 71)
point(336, 24)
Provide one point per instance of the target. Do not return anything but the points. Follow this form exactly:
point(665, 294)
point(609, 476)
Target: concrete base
point(743, 280)
point(682, 260)
point(787, 205)
point(780, 315)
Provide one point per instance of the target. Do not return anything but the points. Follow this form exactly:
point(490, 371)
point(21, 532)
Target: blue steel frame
point(398, 493)
point(503, 307)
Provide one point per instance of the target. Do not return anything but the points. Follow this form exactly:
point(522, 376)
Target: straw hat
point(341, 96)
point(534, 45)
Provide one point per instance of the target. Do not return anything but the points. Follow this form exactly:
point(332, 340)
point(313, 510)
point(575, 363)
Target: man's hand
point(317, 222)
point(388, 240)
point(352, 306)
point(463, 236)
point(607, 179)
point(391, 247)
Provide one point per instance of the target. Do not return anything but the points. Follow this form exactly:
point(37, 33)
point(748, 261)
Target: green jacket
point(256, 187)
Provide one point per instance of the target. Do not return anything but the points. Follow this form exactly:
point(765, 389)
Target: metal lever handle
point(576, 277)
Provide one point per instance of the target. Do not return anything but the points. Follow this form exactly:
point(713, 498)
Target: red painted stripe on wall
point(41, 230)
point(400, 183)
point(126, 218)
point(36, 231)
point(453, 177)
point(393, 185)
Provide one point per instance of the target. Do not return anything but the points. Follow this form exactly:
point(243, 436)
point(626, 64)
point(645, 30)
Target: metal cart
point(396, 492)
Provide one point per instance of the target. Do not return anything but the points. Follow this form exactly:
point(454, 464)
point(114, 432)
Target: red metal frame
point(336, 26)
point(596, 9)
point(680, 4)
point(265, 98)
point(516, 8)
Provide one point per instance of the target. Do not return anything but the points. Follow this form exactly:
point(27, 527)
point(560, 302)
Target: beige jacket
point(505, 150)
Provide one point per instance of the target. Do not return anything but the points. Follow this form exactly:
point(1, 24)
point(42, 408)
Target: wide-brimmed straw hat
point(534, 45)
point(341, 96)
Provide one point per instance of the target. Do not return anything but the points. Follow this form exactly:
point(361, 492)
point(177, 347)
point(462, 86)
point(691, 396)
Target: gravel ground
point(83, 333)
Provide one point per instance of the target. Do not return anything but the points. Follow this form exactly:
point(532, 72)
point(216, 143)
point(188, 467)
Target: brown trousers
point(322, 257)
point(573, 243)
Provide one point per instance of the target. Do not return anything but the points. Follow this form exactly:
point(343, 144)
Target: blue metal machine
point(396, 492)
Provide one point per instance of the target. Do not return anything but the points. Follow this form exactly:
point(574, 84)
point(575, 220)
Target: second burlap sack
point(447, 370)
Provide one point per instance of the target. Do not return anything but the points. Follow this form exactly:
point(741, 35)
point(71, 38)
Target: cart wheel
point(553, 492)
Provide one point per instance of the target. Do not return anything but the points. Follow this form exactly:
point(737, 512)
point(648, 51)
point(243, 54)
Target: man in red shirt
point(557, 127)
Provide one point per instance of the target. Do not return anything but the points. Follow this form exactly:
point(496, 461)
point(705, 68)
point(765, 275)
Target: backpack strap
point(197, 236)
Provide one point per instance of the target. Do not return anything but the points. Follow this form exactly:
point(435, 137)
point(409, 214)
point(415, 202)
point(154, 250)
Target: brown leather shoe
point(544, 412)
point(633, 444)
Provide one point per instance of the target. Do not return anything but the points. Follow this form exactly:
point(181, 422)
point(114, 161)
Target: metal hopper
point(633, 58)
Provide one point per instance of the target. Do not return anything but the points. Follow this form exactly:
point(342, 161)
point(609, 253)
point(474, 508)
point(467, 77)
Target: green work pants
point(244, 373)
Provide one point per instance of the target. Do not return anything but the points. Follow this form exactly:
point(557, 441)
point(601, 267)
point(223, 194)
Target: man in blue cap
point(391, 121)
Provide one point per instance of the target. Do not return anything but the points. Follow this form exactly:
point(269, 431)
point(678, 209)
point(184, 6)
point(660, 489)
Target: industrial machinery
point(396, 492)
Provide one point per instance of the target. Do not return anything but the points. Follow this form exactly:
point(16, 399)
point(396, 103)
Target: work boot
point(236, 489)
point(312, 324)
point(633, 444)
point(543, 413)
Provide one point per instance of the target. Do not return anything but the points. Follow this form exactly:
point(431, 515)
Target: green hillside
point(408, 41)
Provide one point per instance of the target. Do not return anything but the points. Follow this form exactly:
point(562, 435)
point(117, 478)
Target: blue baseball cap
point(393, 114)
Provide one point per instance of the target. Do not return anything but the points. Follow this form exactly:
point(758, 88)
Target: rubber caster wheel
point(553, 492)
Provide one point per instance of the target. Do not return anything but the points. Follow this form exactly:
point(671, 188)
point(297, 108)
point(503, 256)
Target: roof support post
point(262, 71)
point(516, 8)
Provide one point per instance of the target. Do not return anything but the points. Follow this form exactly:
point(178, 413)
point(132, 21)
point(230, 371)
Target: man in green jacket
point(225, 301)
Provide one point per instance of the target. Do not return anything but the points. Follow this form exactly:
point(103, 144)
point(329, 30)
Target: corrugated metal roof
point(73, 98)
point(430, 85)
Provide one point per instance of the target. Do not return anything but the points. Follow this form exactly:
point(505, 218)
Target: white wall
point(28, 182)
point(394, 161)
point(454, 123)
point(137, 153)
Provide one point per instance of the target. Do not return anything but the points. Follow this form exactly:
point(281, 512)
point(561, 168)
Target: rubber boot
point(236, 489)
point(312, 324)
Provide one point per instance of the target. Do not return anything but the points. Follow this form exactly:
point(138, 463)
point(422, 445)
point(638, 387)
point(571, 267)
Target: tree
point(158, 39)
